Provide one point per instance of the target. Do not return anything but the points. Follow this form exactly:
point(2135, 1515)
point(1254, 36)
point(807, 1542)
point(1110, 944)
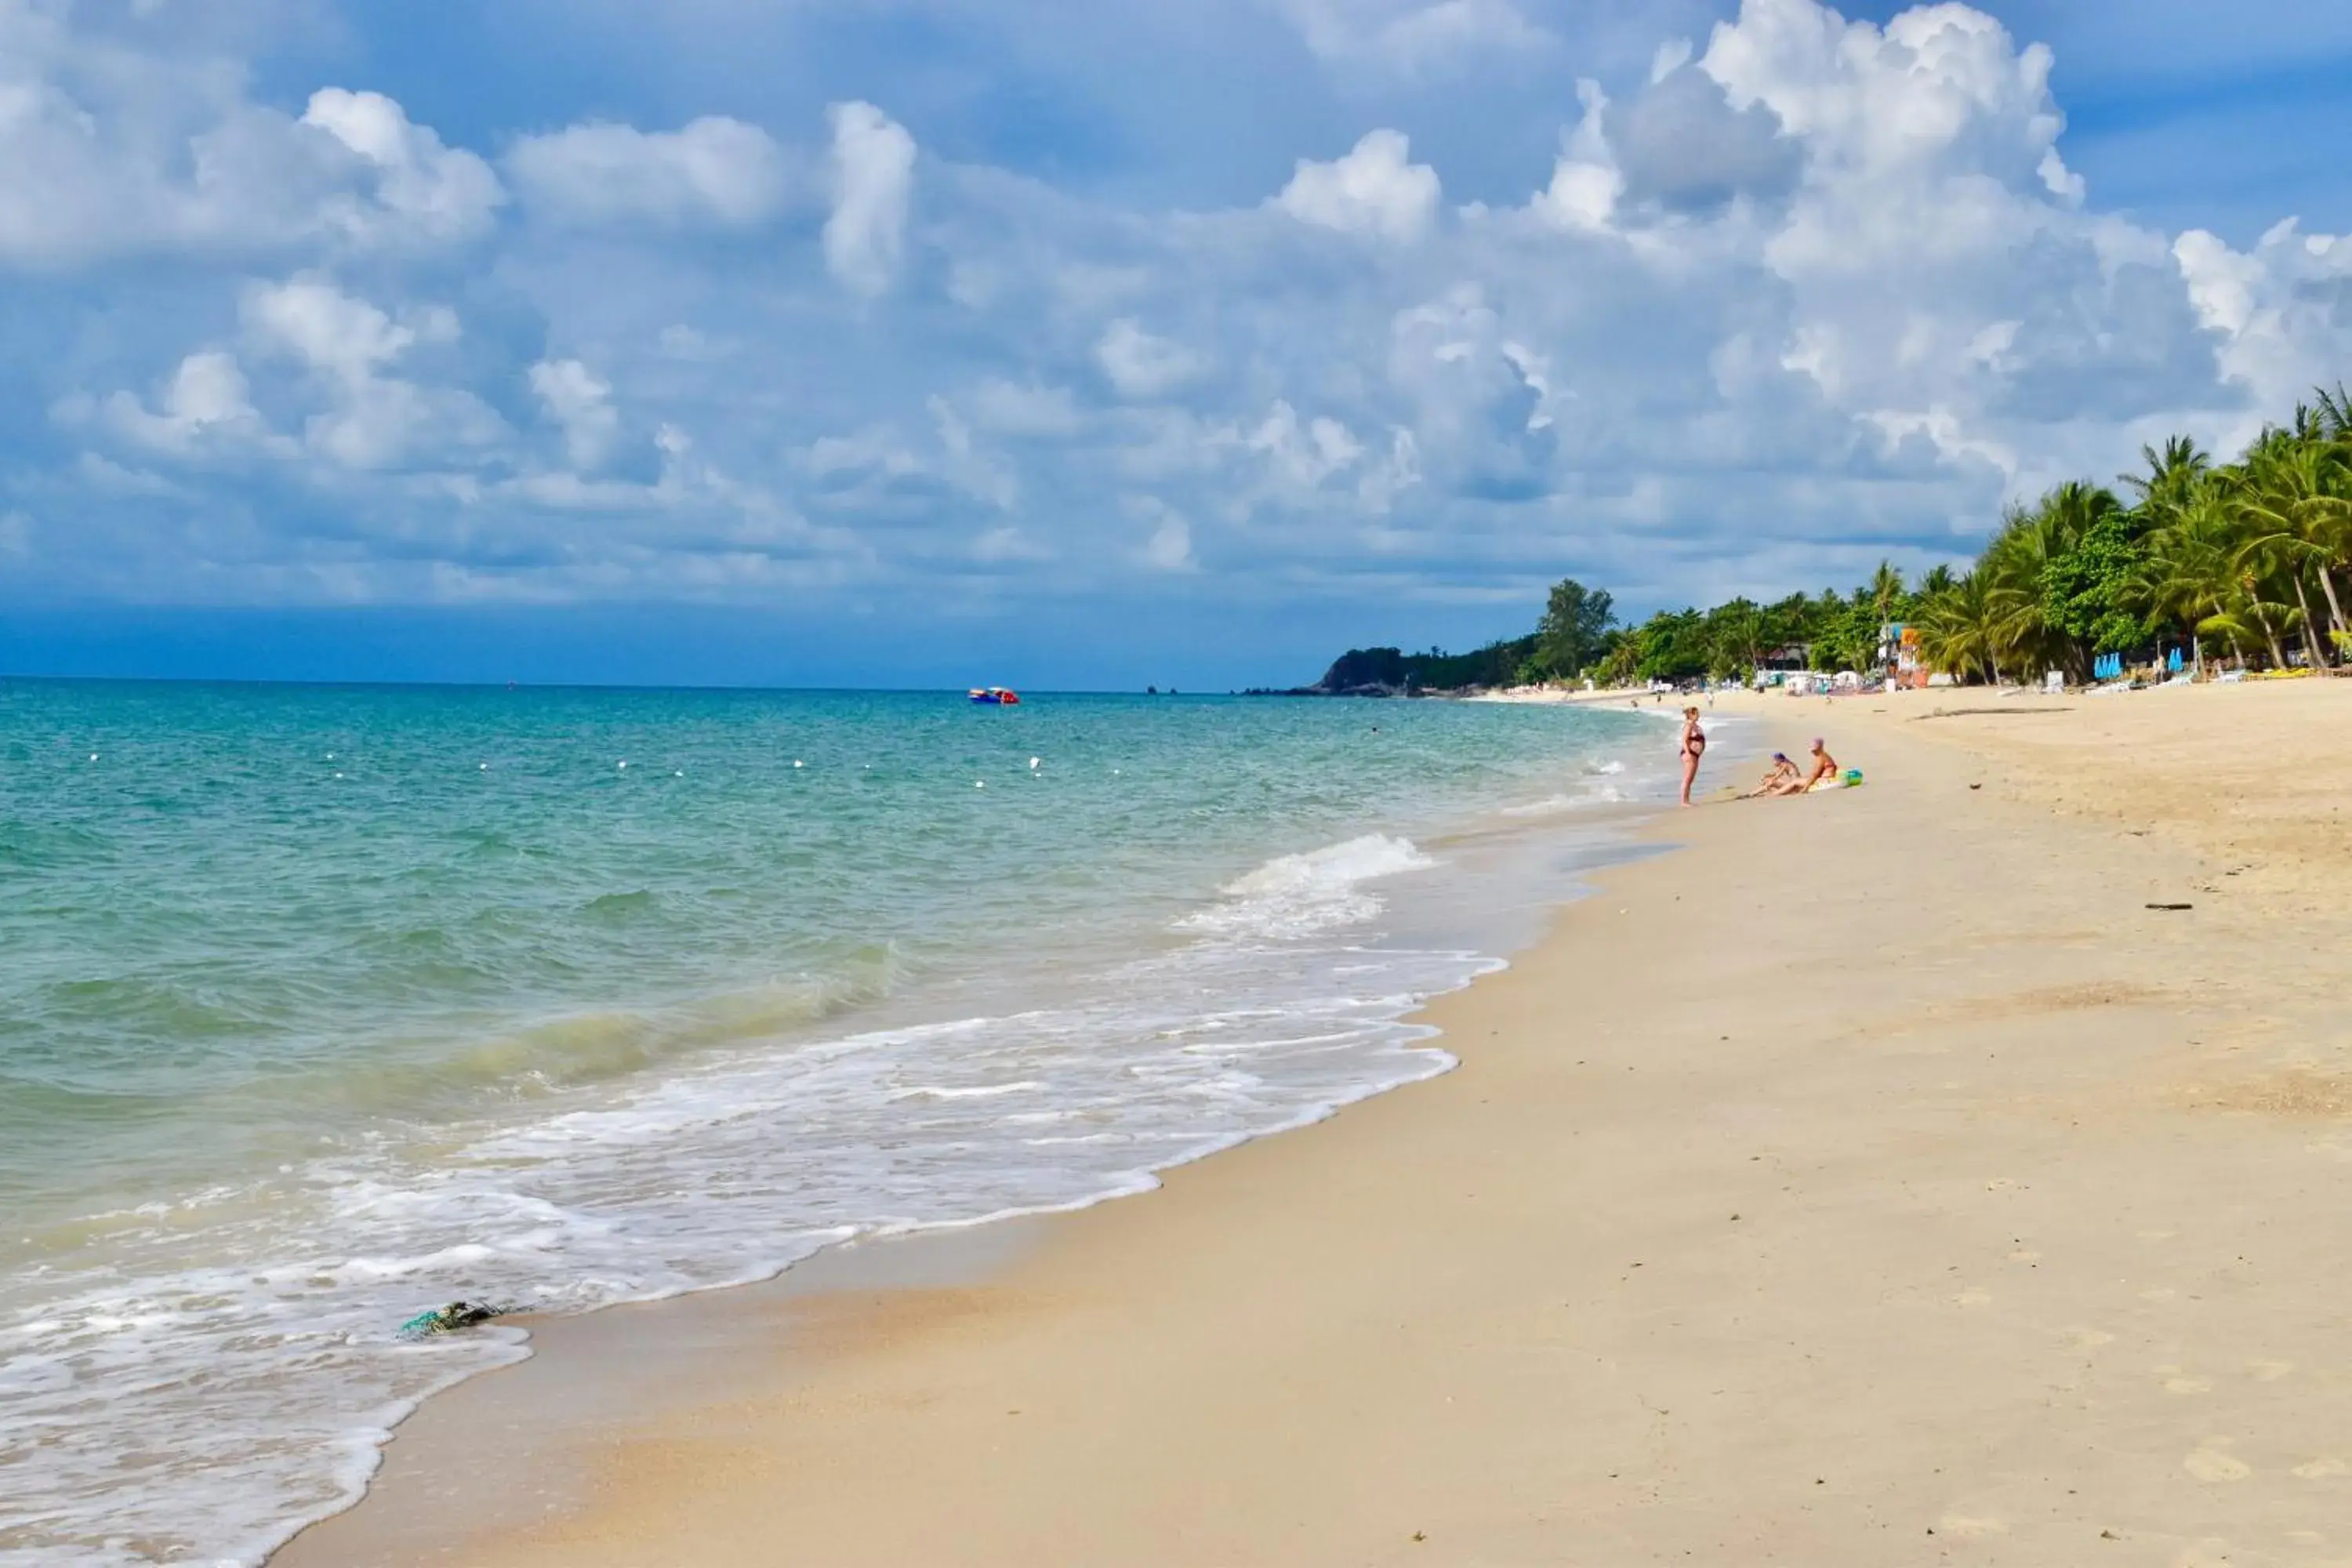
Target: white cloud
point(1141, 365)
point(1412, 38)
point(1372, 190)
point(873, 180)
point(2278, 311)
point(1168, 546)
point(1826, 292)
point(423, 189)
point(109, 150)
point(206, 402)
point(371, 419)
point(716, 171)
point(581, 402)
point(1585, 183)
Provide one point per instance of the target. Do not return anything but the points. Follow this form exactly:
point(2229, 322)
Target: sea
point(323, 1006)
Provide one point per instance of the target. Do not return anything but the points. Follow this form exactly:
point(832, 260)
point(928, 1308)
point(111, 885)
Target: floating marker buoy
point(485, 767)
point(979, 784)
point(797, 763)
point(93, 756)
point(1032, 761)
point(624, 764)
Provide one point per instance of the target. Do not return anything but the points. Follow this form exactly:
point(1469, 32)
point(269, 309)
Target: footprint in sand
point(2188, 1385)
point(1999, 1185)
point(2269, 1370)
point(2210, 1464)
point(2025, 1255)
point(1971, 1299)
point(2089, 1338)
point(2321, 1469)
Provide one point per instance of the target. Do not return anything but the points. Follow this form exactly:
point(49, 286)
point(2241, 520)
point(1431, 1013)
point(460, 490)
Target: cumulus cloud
point(1804, 292)
point(1585, 180)
point(371, 418)
point(715, 170)
point(873, 180)
point(107, 151)
point(581, 402)
point(422, 188)
point(1139, 364)
point(1373, 189)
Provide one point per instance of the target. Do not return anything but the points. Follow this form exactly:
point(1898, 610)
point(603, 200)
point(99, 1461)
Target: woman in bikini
point(1694, 746)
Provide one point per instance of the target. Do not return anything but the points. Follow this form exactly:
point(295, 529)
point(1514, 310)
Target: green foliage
point(1575, 621)
point(1393, 669)
point(2090, 589)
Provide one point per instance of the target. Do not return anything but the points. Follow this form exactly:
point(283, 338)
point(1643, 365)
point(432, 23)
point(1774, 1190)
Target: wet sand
point(1875, 1179)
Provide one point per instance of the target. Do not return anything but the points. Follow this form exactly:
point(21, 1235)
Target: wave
point(1295, 896)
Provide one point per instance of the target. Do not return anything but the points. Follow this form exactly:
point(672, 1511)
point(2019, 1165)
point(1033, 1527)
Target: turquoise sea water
point(318, 1007)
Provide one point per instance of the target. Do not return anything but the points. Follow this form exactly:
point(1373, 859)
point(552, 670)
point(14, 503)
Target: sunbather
point(1825, 774)
point(1779, 779)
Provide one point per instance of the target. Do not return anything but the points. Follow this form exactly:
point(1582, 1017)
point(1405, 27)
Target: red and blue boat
point(995, 696)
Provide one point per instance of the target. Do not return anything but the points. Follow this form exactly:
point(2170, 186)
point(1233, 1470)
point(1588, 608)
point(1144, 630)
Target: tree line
point(2244, 561)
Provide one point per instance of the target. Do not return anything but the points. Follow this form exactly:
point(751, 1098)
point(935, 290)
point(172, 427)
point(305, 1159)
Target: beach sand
point(1875, 1179)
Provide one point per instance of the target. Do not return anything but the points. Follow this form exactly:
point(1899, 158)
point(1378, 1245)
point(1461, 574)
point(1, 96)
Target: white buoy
point(1033, 764)
point(93, 756)
point(485, 767)
point(797, 763)
point(980, 783)
point(624, 764)
point(330, 756)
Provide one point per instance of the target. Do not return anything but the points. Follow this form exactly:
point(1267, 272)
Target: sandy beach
point(1873, 1178)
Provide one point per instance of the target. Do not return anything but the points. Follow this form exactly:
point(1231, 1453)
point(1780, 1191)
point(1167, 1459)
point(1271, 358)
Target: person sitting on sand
point(1825, 774)
point(1777, 779)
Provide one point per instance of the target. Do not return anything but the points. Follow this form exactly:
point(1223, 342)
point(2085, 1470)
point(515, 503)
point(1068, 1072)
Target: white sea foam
point(1298, 895)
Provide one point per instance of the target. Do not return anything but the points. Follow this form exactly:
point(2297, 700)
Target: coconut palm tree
point(2191, 575)
point(2173, 473)
point(1959, 630)
point(1885, 591)
point(2290, 501)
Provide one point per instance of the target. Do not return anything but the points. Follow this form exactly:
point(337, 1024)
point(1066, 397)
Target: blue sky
point(902, 342)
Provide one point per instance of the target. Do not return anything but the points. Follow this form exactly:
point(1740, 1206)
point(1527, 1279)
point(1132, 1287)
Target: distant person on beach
point(1780, 778)
point(1694, 746)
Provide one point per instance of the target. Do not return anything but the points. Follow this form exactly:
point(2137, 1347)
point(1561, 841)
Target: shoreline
point(1573, 839)
point(1387, 1357)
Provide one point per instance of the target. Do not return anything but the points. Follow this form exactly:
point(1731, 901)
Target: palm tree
point(2190, 576)
point(1885, 591)
point(2290, 500)
point(2017, 563)
point(2172, 474)
point(1959, 629)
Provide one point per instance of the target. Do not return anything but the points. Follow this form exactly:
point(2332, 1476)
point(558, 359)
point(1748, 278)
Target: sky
point(909, 342)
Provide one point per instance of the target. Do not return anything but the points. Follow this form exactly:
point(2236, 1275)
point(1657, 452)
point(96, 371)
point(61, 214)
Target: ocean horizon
point(327, 1004)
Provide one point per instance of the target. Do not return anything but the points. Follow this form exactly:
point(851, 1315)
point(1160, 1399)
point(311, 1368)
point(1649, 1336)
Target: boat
point(995, 696)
